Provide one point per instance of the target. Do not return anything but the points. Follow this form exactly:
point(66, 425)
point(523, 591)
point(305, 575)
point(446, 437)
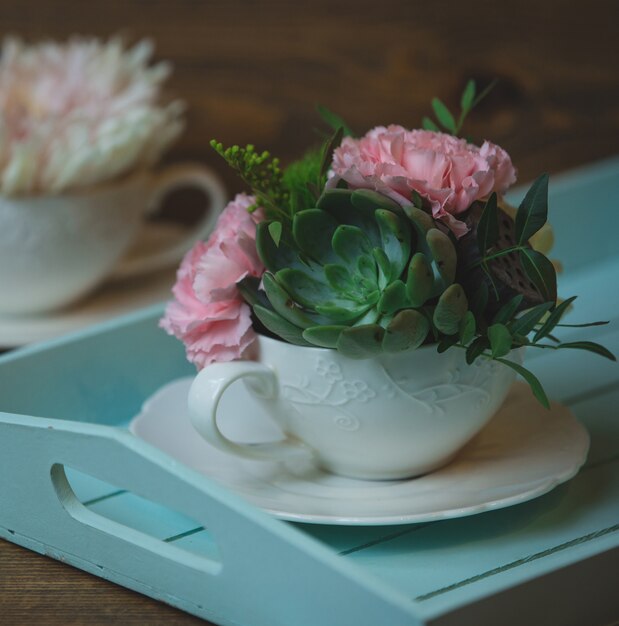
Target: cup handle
point(206, 392)
point(171, 178)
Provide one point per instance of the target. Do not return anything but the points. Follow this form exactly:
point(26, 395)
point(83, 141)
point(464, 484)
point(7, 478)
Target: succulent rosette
point(379, 245)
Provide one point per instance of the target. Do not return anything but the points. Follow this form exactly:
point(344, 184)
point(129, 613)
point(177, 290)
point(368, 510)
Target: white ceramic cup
point(390, 417)
point(56, 248)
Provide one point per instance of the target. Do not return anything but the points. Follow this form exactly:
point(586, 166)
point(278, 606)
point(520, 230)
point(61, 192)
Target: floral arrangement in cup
point(79, 113)
point(374, 244)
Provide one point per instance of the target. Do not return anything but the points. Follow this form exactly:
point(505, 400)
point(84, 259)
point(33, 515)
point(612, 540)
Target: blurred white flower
point(80, 113)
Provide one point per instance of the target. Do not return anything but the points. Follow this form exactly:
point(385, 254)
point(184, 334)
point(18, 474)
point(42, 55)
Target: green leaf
point(488, 226)
point(333, 120)
point(313, 231)
point(393, 298)
point(446, 342)
point(476, 349)
point(279, 326)
point(585, 325)
point(479, 301)
point(275, 230)
point(527, 322)
point(420, 280)
point(590, 346)
point(249, 288)
point(323, 336)
point(329, 147)
point(444, 254)
point(533, 210)
point(507, 311)
point(500, 340)
point(468, 96)
point(344, 312)
point(443, 115)
point(396, 240)
point(450, 309)
point(553, 319)
point(283, 303)
point(467, 328)
point(541, 272)
point(350, 242)
point(533, 382)
point(305, 289)
point(406, 331)
point(361, 342)
point(428, 124)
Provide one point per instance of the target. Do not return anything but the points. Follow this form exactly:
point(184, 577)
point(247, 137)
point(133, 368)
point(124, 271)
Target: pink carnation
point(208, 313)
point(448, 172)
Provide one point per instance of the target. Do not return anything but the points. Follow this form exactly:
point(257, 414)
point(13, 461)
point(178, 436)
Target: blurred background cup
point(84, 124)
point(56, 248)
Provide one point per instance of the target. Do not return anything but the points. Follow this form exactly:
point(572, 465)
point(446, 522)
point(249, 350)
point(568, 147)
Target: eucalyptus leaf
point(528, 320)
point(553, 319)
point(541, 272)
point(529, 377)
point(500, 340)
point(275, 230)
point(589, 346)
point(476, 348)
point(533, 210)
point(508, 310)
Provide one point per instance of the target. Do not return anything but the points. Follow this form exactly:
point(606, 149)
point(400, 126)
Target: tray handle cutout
point(136, 520)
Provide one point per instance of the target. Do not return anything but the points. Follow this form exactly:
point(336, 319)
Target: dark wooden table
point(253, 71)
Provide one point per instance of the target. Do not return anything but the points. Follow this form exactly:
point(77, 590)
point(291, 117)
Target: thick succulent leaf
point(275, 256)
point(450, 310)
point(343, 312)
point(406, 331)
point(323, 336)
point(361, 342)
point(369, 200)
point(346, 283)
point(370, 317)
point(420, 280)
point(279, 326)
point(467, 328)
point(421, 220)
point(393, 298)
point(313, 230)
point(384, 267)
point(338, 203)
point(444, 254)
point(249, 288)
point(366, 265)
point(283, 304)
point(304, 289)
point(395, 239)
point(350, 242)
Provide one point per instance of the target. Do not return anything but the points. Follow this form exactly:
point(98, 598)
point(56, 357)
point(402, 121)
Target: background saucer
point(523, 453)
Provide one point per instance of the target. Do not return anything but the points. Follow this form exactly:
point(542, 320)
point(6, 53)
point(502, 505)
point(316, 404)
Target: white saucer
point(523, 453)
point(111, 299)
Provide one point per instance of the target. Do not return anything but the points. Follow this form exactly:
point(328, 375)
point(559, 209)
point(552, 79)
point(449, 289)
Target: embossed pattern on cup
point(393, 416)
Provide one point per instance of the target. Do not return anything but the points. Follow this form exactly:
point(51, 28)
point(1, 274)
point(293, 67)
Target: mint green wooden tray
point(77, 486)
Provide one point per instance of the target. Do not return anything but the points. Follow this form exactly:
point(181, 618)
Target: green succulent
point(358, 275)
